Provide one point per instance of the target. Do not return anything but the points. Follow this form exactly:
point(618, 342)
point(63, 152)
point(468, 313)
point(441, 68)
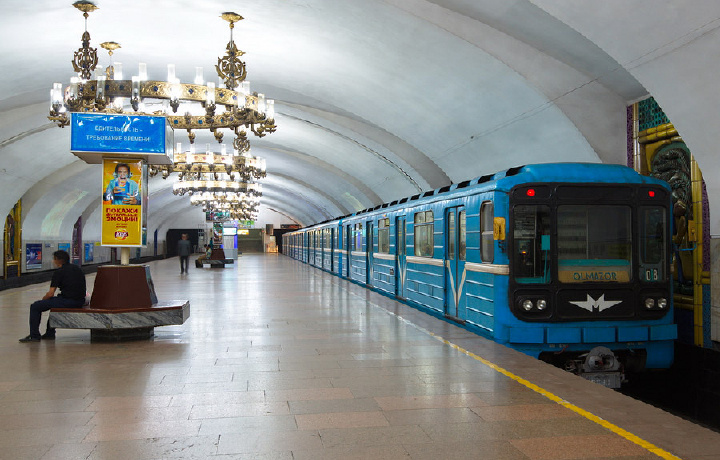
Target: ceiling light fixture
point(188, 106)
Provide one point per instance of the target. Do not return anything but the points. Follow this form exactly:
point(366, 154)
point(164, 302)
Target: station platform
point(282, 361)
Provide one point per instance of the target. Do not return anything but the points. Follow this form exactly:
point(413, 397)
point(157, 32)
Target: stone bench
point(123, 306)
point(214, 263)
point(121, 323)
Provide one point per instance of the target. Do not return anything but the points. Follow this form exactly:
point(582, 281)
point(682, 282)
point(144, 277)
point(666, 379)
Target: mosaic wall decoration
point(650, 114)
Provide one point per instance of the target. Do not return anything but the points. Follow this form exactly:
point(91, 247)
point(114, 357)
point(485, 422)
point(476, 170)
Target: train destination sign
point(604, 275)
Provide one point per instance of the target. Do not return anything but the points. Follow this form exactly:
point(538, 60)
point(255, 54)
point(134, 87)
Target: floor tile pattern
point(281, 361)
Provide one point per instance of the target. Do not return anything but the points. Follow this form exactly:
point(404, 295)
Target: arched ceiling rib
point(428, 176)
point(348, 188)
point(296, 183)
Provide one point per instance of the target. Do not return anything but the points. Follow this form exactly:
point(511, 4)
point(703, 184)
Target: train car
point(569, 263)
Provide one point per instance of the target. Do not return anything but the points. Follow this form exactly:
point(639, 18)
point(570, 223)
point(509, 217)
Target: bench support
point(121, 335)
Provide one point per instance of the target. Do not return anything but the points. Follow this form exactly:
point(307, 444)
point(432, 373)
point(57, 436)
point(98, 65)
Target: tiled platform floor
point(282, 361)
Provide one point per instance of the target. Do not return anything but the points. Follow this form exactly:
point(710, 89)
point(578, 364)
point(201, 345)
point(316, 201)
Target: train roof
point(509, 178)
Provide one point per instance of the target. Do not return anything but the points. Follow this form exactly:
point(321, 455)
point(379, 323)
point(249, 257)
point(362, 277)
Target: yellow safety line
point(614, 428)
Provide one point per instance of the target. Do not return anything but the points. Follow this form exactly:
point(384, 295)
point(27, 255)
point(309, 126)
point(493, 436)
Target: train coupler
point(600, 365)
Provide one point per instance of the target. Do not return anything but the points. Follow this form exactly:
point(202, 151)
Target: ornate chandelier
point(238, 207)
point(225, 185)
point(194, 166)
point(216, 181)
point(188, 106)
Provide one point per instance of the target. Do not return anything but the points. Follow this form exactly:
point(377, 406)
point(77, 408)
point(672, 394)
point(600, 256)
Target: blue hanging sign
point(120, 134)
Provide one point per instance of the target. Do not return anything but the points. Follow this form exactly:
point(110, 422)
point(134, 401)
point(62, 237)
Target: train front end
point(590, 288)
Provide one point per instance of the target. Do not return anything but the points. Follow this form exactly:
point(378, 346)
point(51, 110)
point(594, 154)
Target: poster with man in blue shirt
point(122, 189)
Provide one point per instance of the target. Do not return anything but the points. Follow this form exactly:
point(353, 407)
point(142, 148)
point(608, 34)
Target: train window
point(328, 238)
point(487, 248)
point(384, 235)
point(653, 243)
point(358, 237)
point(451, 235)
point(594, 243)
point(531, 239)
point(424, 228)
point(461, 240)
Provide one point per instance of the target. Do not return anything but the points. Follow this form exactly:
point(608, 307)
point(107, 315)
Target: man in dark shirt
point(71, 281)
point(184, 249)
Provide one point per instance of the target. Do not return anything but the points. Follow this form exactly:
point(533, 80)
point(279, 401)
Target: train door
point(332, 249)
point(320, 248)
point(348, 248)
point(306, 247)
point(327, 249)
point(369, 248)
point(317, 245)
point(400, 257)
point(455, 263)
point(313, 248)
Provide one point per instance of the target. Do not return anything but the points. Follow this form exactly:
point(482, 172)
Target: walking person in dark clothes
point(71, 281)
point(184, 249)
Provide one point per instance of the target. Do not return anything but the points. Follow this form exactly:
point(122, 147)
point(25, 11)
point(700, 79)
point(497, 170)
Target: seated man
point(71, 281)
point(205, 256)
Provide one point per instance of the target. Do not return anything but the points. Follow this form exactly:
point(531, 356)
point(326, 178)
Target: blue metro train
point(569, 263)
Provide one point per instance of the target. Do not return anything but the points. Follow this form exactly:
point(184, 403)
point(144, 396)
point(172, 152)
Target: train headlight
point(649, 303)
point(662, 303)
point(541, 304)
point(527, 304)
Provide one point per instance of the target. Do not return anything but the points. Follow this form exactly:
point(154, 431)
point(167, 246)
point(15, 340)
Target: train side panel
point(485, 274)
point(449, 255)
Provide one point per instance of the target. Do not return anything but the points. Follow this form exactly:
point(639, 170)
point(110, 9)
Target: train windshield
point(594, 243)
point(653, 243)
point(531, 233)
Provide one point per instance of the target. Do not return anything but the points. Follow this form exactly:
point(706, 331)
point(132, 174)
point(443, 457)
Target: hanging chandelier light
point(212, 178)
point(188, 106)
point(221, 186)
point(215, 180)
point(226, 199)
point(191, 165)
point(244, 208)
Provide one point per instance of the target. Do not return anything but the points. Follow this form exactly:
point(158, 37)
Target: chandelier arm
point(84, 98)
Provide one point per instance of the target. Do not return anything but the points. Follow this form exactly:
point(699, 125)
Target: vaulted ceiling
point(375, 99)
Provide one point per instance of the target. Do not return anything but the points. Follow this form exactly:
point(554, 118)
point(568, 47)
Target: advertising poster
point(88, 252)
point(217, 234)
point(33, 256)
point(76, 242)
point(64, 247)
point(124, 193)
